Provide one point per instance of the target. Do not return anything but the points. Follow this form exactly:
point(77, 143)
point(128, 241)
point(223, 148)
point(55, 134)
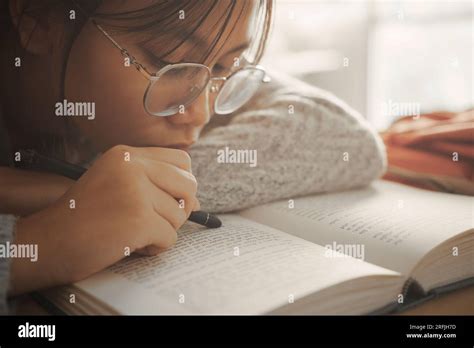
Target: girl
point(146, 93)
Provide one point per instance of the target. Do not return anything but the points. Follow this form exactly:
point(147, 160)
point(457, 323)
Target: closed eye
point(153, 59)
point(219, 70)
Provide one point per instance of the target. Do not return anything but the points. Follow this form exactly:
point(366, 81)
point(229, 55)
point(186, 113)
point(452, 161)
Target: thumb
point(197, 205)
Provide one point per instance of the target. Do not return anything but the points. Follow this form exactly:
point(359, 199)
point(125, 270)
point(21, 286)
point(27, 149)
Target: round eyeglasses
point(176, 86)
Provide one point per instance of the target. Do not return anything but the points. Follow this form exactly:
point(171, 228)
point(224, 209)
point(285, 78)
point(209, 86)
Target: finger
point(178, 158)
point(168, 207)
point(177, 182)
point(149, 250)
point(197, 205)
point(162, 235)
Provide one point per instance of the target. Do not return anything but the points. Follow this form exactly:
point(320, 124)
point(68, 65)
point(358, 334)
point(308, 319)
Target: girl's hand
point(127, 201)
point(26, 192)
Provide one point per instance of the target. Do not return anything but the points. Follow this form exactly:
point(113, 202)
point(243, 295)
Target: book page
point(240, 268)
point(394, 225)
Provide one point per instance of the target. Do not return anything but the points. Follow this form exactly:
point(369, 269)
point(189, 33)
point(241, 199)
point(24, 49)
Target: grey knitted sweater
point(304, 141)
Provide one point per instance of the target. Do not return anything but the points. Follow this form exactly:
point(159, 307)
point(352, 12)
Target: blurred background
point(374, 53)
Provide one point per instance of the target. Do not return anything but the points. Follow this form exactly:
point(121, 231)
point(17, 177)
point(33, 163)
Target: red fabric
point(438, 147)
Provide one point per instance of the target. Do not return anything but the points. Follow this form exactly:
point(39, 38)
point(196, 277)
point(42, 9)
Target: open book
point(370, 250)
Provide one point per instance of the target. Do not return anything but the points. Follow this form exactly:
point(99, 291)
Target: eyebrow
point(198, 41)
point(240, 47)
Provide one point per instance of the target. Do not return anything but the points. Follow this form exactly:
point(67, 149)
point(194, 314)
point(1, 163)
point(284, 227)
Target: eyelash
point(217, 68)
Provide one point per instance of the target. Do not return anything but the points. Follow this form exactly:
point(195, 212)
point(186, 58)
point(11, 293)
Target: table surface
point(460, 302)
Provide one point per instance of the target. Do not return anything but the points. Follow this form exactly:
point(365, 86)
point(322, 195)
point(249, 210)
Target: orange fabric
point(438, 147)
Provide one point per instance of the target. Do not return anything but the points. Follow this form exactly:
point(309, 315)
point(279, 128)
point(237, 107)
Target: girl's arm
point(135, 209)
point(307, 141)
point(25, 192)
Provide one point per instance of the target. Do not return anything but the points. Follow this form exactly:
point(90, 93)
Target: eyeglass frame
point(154, 77)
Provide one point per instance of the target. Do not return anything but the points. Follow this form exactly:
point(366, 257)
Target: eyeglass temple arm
point(124, 52)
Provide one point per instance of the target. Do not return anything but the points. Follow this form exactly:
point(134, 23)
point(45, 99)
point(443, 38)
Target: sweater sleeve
point(306, 141)
point(7, 225)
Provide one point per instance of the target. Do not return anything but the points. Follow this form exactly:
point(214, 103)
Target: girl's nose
point(196, 114)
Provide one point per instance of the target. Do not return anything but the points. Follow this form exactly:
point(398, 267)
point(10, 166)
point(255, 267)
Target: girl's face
point(96, 73)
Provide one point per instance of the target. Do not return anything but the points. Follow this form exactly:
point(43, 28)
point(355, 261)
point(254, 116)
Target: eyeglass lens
point(182, 84)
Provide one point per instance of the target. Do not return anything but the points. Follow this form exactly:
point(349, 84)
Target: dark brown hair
point(144, 25)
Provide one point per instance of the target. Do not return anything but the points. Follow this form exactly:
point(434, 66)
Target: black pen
point(33, 160)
